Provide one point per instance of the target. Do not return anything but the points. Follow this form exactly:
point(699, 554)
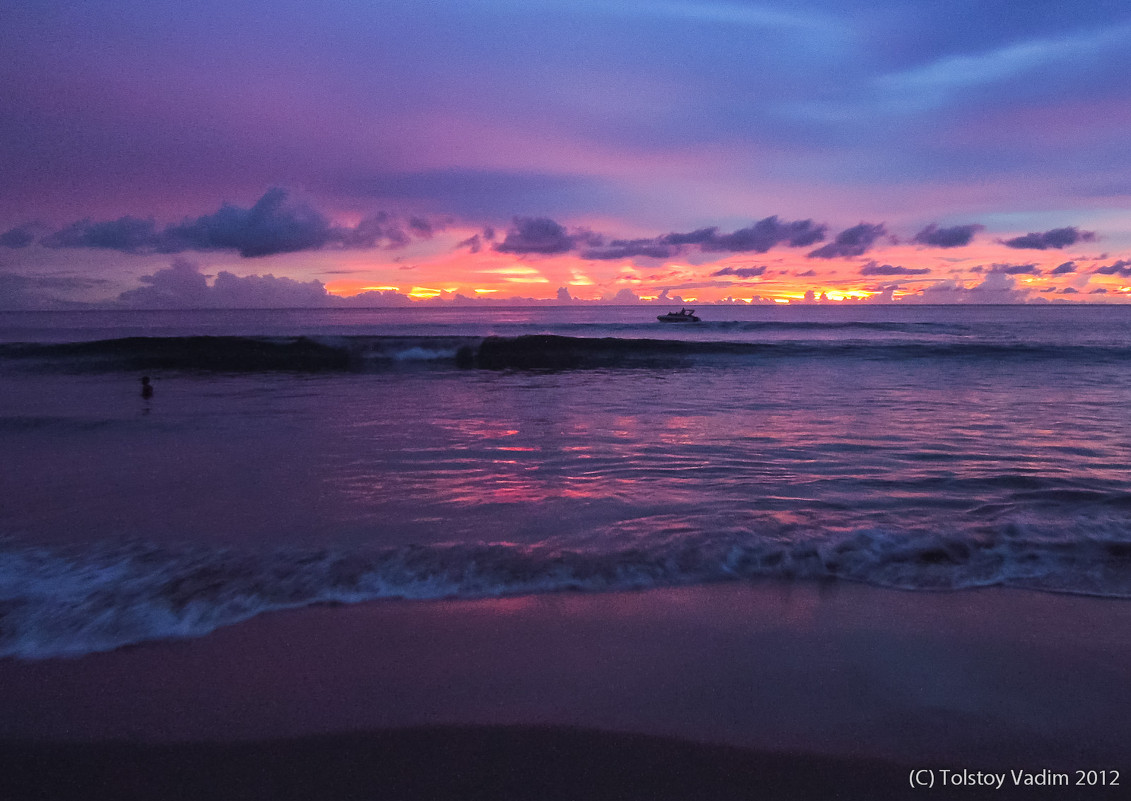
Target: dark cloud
point(1069, 291)
point(1121, 267)
point(274, 224)
point(740, 272)
point(1067, 267)
point(19, 237)
point(757, 238)
point(1099, 291)
point(126, 234)
point(183, 286)
point(763, 235)
point(1016, 269)
point(629, 248)
point(536, 235)
point(872, 268)
point(1056, 238)
point(270, 226)
point(953, 237)
point(696, 237)
point(473, 243)
point(380, 230)
point(853, 241)
point(807, 274)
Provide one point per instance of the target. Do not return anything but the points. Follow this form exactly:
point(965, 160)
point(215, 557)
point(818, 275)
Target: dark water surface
point(296, 457)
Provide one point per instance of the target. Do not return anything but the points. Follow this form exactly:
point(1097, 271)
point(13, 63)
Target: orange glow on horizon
point(424, 292)
point(985, 269)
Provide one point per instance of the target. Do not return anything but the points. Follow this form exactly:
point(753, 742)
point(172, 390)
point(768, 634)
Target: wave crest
point(72, 601)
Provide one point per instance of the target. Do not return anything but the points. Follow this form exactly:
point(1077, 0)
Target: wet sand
point(791, 683)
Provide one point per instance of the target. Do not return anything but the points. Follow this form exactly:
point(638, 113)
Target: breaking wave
point(78, 600)
point(535, 351)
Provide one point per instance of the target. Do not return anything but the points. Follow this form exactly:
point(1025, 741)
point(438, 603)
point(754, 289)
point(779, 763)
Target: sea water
point(295, 457)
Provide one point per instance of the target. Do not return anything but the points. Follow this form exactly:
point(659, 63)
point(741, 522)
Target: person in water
point(146, 387)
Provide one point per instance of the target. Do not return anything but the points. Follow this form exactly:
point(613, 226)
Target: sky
point(167, 154)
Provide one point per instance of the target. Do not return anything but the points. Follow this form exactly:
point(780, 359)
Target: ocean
point(300, 457)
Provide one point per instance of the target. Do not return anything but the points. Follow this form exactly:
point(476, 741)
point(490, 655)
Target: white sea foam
point(72, 601)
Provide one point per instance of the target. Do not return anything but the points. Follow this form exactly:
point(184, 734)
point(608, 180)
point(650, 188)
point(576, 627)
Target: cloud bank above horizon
point(495, 149)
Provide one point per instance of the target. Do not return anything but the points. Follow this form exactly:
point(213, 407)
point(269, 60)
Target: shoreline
point(991, 679)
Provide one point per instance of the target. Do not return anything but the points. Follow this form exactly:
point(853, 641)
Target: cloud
point(1067, 267)
point(761, 236)
point(740, 272)
point(1055, 238)
point(380, 230)
point(126, 234)
point(997, 287)
point(1016, 269)
point(1121, 267)
point(996, 281)
point(696, 237)
point(624, 296)
point(373, 297)
point(853, 241)
point(541, 235)
point(473, 243)
point(872, 268)
point(421, 226)
point(954, 237)
point(273, 224)
point(183, 286)
point(536, 235)
point(266, 291)
point(629, 248)
point(19, 237)
point(270, 226)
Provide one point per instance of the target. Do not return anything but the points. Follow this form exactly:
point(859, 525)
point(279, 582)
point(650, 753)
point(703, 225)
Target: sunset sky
point(250, 153)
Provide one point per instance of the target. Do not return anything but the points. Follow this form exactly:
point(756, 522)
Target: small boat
point(681, 316)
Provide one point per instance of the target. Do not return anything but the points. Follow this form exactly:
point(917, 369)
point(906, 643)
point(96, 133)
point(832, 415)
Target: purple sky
point(348, 142)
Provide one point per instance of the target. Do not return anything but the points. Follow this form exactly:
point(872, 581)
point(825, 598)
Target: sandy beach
point(863, 682)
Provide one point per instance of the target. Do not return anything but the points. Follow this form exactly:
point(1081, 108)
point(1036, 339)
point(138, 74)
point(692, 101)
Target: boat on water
point(681, 316)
